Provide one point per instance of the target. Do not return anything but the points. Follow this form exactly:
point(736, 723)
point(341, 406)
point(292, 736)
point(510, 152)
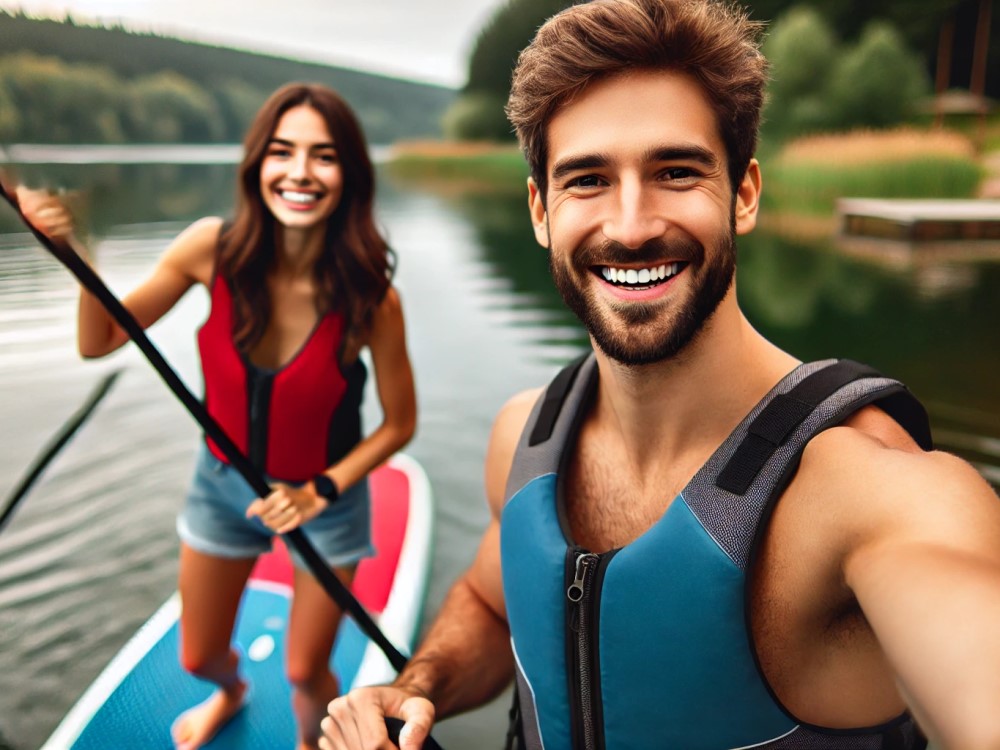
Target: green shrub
point(800, 48)
point(820, 85)
point(496, 168)
point(477, 117)
point(167, 107)
point(878, 83)
point(62, 103)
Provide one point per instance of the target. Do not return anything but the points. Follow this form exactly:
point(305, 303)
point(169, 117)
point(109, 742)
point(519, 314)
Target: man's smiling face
point(639, 215)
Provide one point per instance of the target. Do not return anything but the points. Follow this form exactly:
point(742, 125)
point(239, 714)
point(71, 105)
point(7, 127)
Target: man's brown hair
point(714, 43)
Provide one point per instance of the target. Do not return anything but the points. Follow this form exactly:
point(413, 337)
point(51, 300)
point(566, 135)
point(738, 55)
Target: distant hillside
point(228, 84)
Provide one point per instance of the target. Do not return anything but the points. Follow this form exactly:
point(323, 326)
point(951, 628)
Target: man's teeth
point(634, 276)
point(294, 196)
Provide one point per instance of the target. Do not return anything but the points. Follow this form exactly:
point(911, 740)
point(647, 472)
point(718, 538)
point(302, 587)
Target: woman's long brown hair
point(353, 273)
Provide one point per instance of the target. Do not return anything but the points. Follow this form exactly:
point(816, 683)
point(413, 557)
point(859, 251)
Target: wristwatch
point(325, 487)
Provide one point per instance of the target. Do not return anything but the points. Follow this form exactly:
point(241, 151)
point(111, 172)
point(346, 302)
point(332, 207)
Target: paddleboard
point(135, 699)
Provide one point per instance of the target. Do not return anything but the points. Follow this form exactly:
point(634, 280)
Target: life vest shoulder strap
point(772, 427)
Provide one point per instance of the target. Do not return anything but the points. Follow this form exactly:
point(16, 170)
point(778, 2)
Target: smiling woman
point(301, 180)
point(300, 282)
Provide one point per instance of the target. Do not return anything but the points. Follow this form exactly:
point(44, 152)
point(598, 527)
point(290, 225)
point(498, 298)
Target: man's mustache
point(656, 250)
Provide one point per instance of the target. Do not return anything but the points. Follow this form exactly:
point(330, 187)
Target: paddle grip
point(395, 726)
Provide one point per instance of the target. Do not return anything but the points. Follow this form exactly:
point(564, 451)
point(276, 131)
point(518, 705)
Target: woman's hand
point(46, 212)
point(287, 508)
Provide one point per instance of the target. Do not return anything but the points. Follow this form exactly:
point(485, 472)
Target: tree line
point(834, 65)
point(65, 83)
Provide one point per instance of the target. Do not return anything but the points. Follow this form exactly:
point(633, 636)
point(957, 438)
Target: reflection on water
point(92, 552)
point(109, 195)
point(512, 258)
point(929, 323)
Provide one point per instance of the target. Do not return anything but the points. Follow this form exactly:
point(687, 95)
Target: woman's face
point(301, 180)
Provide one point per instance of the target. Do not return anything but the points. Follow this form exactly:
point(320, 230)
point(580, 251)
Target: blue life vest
point(648, 646)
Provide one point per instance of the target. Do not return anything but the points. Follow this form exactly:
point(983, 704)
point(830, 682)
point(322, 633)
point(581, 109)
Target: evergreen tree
point(801, 49)
point(878, 83)
point(478, 113)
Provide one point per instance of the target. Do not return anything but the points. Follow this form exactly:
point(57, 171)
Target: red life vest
point(292, 422)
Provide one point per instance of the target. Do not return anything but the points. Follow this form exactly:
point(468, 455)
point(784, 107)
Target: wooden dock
point(920, 220)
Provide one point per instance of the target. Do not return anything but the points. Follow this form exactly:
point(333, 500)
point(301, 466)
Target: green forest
point(66, 83)
point(836, 64)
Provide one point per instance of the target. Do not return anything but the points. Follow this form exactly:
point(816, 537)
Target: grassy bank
point(462, 166)
point(808, 175)
point(804, 178)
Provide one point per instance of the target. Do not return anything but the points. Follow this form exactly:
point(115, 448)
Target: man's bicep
point(938, 513)
point(933, 499)
point(484, 577)
point(504, 438)
point(865, 496)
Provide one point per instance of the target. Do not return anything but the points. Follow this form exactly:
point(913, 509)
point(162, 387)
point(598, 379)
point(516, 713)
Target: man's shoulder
point(870, 441)
point(512, 417)
point(504, 438)
point(869, 472)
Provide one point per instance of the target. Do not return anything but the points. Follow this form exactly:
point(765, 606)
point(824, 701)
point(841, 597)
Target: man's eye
point(585, 181)
point(679, 173)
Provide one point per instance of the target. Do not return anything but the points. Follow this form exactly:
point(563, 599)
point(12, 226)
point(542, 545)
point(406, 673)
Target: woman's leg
point(311, 632)
point(210, 589)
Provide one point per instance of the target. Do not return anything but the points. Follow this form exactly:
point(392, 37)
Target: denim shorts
point(213, 520)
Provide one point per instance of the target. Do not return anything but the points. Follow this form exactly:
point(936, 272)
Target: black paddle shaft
point(93, 283)
point(56, 444)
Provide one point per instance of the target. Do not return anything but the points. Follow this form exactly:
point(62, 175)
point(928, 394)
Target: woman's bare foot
point(196, 726)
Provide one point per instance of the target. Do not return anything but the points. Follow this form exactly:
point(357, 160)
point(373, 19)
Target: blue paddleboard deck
point(135, 700)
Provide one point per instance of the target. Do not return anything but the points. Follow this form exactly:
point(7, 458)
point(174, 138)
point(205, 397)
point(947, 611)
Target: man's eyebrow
point(698, 154)
point(576, 163)
point(691, 152)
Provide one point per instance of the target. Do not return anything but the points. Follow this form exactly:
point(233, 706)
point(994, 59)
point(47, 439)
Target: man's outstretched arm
point(466, 658)
point(925, 568)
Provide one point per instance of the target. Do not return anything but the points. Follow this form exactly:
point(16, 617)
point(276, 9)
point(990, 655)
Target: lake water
point(92, 552)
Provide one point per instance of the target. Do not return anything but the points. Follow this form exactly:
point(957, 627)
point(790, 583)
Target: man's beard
point(624, 333)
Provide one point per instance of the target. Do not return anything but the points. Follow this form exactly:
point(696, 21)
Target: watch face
point(325, 486)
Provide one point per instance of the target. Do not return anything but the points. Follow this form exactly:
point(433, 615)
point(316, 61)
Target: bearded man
point(697, 541)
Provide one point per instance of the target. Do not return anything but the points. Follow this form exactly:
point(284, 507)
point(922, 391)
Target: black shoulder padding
point(786, 411)
point(904, 407)
point(555, 395)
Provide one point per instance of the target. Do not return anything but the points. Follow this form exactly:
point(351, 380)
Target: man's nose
point(636, 218)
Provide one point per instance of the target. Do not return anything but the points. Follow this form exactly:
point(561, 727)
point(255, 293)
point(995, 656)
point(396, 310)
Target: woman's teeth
point(294, 196)
point(633, 276)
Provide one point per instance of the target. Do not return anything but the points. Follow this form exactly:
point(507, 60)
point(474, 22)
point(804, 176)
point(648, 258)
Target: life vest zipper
point(259, 402)
point(584, 676)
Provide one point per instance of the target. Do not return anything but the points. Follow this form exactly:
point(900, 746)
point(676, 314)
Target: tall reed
point(809, 174)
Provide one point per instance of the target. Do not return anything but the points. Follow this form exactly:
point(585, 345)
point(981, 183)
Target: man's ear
point(536, 207)
point(748, 199)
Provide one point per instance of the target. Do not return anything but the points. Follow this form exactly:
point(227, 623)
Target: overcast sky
point(427, 40)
